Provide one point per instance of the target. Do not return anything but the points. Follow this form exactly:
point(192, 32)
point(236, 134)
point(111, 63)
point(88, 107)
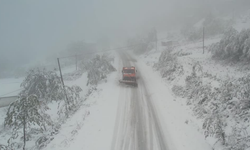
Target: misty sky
point(30, 29)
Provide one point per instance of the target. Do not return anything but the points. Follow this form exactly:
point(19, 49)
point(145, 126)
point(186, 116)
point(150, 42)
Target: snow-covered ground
point(94, 125)
point(177, 118)
point(10, 86)
point(215, 73)
point(98, 104)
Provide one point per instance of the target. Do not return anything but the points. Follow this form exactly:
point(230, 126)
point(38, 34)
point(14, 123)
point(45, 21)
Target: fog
point(32, 30)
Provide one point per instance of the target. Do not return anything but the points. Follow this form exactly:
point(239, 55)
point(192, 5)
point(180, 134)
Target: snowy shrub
point(95, 75)
point(168, 65)
point(98, 68)
point(225, 110)
point(73, 94)
point(233, 46)
point(196, 92)
point(43, 141)
point(179, 91)
point(72, 104)
point(90, 91)
point(214, 125)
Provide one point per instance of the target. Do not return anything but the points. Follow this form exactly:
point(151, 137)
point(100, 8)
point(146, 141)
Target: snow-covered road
point(122, 117)
point(137, 124)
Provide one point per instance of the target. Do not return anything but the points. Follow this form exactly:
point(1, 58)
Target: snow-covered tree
point(233, 46)
point(46, 85)
point(98, 68)
point(29, 112)
point(25, 113)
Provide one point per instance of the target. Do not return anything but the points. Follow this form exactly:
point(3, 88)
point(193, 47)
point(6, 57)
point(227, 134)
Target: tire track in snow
point(137, 125)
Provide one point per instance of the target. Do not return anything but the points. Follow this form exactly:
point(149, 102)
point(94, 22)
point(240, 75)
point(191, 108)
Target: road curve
point(137, 124)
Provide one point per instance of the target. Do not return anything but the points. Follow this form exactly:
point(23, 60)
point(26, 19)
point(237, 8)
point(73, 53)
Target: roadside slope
point(173, 115)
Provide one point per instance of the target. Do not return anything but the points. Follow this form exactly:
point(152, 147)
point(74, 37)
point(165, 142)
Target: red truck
point(129, 76)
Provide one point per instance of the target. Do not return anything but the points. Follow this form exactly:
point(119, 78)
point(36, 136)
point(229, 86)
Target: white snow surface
point(93, 123)
point(10, 86)
point(92, 127)
point(181, 133)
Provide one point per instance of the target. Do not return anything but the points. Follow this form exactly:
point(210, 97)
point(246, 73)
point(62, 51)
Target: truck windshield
point(129, 71)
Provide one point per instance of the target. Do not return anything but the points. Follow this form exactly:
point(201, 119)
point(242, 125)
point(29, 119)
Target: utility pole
point(76, 62)
point(203, 39)
point(67, 101)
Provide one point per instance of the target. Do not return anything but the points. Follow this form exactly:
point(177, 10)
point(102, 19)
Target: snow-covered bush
point(168, 65)
point(225, 110)
point(43, 141)
point(228, 119)
point(98, 68)
point(73, 101)
point(233, 46)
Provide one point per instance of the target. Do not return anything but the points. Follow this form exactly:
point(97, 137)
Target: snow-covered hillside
point(215, 90)
point(47, 83)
